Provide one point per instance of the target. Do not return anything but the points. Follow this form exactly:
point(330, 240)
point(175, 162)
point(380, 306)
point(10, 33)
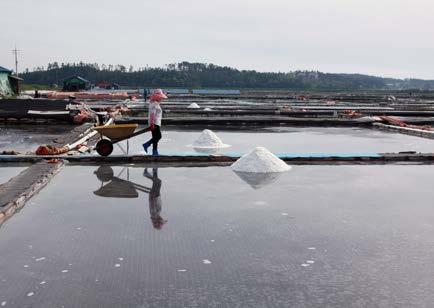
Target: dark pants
point(156, 136)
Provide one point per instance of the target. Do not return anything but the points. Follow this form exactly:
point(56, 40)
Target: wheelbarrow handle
point(139, 132)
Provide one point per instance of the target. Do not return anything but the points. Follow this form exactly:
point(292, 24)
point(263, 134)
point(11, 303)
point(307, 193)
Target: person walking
point(155, 113)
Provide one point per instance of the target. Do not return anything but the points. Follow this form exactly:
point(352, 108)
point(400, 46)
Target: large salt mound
point(260, 160)
point(208, 139)
point(193, 106)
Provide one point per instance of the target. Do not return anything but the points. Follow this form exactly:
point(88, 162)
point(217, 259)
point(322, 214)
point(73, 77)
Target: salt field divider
point(405, 130)
point(205, 159)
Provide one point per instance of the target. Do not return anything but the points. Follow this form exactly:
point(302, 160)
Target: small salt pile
point(193, 106)
point(207, 109)
point(260, 160)
point(209, 140)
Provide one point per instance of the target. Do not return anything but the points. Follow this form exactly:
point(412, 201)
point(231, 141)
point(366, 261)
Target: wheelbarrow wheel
point(104, 147)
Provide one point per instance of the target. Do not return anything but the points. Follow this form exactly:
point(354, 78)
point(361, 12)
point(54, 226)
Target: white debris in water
point(26, 266)
point(310, 261)
point(260, 160)
point(42, 282)
point(208, 139)
point(4, 303)
point(305, 265)
point(30, 294)
point(284, 214)
point(40, 259)
point(311, 248)
point(193, 106)
point(120, 259)
point(182, 270)
point(117, 265)
point(206, 261)
point(65, 271)
point(212, 241)
point(78, 228)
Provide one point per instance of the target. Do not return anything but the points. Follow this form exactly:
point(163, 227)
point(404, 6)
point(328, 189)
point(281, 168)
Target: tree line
point(204, 75)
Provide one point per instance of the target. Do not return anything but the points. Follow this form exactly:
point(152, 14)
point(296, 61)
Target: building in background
point(108, 85)
point(75, 84)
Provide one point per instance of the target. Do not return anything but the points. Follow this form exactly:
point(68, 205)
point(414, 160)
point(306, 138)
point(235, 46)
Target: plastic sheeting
point(5, 86)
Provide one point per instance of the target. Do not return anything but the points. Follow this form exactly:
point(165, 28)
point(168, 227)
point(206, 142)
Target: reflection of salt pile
point(260, 160)
point(259, 168)
point(193, 106)
point(209, 140)
point(258, 180)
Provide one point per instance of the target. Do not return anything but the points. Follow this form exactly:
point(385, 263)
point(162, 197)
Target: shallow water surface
point(9, 171)
point(316, 236)
point(292, 140)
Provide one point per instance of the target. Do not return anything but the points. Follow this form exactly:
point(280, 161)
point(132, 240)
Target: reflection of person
point(155, 199)
point(155, 113)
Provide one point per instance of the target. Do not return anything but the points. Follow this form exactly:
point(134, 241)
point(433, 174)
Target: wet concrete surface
point(316, 236)
point(291, 140)
point(24, 138)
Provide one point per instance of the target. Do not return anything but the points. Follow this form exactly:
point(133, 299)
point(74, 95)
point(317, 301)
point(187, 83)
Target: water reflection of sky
point(8, 171)
point(29, 137)
point(317, 236)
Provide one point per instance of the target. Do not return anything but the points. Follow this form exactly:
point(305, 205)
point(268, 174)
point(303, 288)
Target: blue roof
point(4, 70)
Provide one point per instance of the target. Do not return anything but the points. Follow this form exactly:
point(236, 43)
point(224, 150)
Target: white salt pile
point(209, 140)
point(207, 109)
point(193, 106)
point(260, 160)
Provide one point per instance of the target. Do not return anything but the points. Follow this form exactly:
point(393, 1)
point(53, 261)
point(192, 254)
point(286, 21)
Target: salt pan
point(260, 160)
point(193, 106)
point(209, 140)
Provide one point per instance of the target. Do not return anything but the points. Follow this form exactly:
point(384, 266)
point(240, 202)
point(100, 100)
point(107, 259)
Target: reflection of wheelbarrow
point(115, 133)
point(117, 187)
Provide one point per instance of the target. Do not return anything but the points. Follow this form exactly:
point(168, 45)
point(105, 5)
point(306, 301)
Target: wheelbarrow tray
point(116, 131)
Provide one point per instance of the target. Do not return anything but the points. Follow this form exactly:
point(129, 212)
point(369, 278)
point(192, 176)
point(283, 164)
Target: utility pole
point(15, 52)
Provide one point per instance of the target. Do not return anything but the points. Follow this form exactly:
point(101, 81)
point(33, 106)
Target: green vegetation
point(26, 87)
point(200, 75)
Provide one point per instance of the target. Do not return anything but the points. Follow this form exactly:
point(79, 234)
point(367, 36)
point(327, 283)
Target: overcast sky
point(392, 38)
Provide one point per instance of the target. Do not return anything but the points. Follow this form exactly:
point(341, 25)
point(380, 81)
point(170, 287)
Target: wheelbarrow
point(112, 134)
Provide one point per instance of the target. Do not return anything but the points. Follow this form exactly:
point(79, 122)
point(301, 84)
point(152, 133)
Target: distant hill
point(200, 75)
